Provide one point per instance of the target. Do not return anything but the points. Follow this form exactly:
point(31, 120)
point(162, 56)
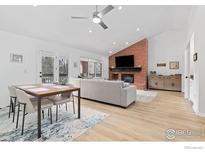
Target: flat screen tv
point(124, 61)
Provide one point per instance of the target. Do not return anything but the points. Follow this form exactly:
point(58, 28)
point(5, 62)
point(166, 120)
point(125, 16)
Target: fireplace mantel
point(126, 69)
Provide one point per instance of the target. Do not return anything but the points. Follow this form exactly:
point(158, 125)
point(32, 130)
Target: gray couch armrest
point(128, 96)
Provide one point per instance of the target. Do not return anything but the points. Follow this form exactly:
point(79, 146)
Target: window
point(90, 68)
point(98, 69)
point(84, 68)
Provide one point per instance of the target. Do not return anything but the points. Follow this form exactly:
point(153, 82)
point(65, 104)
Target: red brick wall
point(140, 52)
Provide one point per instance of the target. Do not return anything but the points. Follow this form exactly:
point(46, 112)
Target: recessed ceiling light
point(110, 51)
point(127, 43)
point(35, 5)
point(138, 29)
point(90, 31)
point(120, 7)
point(113, 43)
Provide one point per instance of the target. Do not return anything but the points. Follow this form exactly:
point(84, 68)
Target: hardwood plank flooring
point(147, 121)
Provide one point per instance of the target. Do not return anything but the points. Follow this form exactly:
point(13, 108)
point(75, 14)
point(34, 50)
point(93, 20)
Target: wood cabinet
point(170, 82)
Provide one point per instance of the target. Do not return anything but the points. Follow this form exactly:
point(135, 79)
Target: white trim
point(201, 114)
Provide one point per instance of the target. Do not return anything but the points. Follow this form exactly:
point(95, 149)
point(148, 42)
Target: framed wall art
point(16, 58)
point(174, 65)
point(161, 64)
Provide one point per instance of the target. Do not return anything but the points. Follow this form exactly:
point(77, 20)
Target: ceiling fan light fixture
point(96, 19)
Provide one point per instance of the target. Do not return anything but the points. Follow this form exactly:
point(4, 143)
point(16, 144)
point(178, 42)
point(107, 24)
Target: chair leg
point(66, 106)
point(51, 115)
point(43, 114)
point(17, 120)
point(14, 108)
point(48, 112)
point(56, 113)
point(24, 114)
point(73, 107)
point(10, 107)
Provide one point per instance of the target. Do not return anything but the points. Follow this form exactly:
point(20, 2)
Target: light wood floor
point(146, 121)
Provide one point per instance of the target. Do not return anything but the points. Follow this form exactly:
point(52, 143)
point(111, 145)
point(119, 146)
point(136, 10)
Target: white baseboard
point(201, 114)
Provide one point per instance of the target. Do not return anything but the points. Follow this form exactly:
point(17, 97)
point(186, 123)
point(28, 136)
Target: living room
point(93, 73)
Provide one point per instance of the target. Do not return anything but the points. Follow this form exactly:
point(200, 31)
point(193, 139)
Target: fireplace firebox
point(127, 78)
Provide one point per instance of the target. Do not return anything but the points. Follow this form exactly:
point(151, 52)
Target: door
point(52, 68)
point(191, 71)
point(62, 70)
point(47, 68)
point(187, 73)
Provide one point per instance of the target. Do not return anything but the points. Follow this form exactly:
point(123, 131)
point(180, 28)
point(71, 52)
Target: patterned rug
point(67, 128)
point(146, 96)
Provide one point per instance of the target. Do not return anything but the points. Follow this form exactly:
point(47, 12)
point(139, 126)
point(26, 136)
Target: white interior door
point(187, 73)
point(191, 71)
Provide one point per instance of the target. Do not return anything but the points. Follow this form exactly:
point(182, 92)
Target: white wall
point(166, 47)
point(196, 26)
point(17, 73)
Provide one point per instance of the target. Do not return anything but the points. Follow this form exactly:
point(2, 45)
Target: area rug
point(67, 128)
point(145, 96)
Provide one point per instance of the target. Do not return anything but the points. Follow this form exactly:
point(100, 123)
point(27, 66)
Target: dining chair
point(13, 97)
point(30, 106)
point(62, 99)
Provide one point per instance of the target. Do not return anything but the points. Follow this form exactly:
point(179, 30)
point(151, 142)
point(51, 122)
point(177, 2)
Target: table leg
point(39, 117)
point(79, 104)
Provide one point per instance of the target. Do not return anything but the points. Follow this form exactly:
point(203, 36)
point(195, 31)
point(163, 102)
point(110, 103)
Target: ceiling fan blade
point(80, 17)
point(105, 11)
point(103, 25)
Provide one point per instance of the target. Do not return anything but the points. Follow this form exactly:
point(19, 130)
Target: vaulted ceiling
point(54, 23)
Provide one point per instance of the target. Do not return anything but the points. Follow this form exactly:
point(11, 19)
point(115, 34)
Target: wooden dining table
point(44, 90)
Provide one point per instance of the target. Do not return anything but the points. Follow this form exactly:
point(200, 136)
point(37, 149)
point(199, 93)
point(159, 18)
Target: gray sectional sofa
point(112, 92)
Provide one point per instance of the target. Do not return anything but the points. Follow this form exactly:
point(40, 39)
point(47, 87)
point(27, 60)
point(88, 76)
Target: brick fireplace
point(139, 72)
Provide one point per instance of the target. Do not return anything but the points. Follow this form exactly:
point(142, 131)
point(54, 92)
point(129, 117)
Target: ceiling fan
point(97, 16)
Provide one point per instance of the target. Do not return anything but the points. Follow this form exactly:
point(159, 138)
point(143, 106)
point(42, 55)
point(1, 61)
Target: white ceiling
point(53, 23)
